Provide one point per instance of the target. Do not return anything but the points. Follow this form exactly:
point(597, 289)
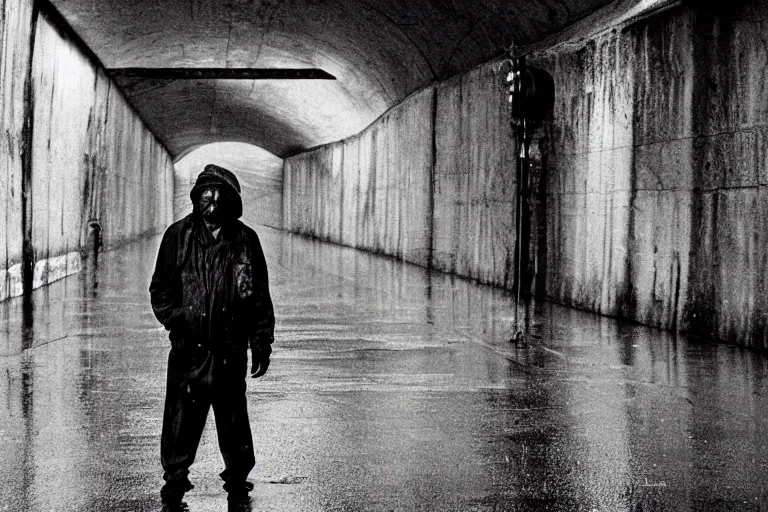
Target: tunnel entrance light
point(222, 73)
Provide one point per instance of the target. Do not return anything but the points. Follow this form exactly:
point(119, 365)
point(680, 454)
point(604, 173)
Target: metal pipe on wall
point(531, 94)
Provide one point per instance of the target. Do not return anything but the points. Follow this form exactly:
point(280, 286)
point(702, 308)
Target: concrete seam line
point(28, 252)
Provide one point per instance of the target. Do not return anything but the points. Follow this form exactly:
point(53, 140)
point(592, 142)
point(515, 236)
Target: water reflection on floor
point(391, 388)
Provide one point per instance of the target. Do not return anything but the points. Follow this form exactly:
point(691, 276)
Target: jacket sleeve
point(262, 328)
point(161, 289)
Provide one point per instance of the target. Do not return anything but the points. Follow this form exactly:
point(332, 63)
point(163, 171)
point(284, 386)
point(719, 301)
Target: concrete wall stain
point(15, 35)
point(696, 221)
point(27, 161)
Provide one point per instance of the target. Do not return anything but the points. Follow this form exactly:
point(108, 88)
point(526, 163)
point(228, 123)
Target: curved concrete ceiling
point(379, 50)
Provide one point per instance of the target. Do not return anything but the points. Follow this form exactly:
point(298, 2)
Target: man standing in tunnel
point(210, 290)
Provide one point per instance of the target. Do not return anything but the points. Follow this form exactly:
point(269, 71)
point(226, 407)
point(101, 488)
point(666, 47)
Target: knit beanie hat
point(215, 175)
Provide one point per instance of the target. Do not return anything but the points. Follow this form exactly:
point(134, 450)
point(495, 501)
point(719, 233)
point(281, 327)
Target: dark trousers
point(195, 383)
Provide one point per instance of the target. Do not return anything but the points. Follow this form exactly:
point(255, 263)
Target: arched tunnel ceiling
point(379, 50)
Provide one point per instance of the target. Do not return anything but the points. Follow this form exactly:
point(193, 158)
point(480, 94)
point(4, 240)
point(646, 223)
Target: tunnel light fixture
point(222, 73)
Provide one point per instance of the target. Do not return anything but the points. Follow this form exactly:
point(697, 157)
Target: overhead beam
point(222, 73)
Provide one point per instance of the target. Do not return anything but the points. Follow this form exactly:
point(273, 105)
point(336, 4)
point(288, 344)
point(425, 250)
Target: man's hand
point(259, 359)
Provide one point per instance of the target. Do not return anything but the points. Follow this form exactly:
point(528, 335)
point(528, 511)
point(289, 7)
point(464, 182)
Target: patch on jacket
point(244, 279)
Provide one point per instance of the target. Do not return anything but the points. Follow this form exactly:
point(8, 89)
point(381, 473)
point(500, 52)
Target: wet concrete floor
point(391, 388)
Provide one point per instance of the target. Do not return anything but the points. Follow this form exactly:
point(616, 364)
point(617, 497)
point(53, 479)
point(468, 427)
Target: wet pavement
point(391, 388)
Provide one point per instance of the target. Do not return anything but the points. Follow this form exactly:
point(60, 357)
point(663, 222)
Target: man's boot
point(237, 491)
point(178, 507)
point(173, 492)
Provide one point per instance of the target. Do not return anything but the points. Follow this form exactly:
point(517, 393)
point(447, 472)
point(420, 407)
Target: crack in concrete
point(392, 22)
point(213, 108)
point(265, 13)
point(229, 42)
point(459, 44)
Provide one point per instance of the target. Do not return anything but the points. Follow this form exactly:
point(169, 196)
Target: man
point(210, 291)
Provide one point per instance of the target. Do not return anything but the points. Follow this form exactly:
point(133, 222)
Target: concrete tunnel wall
point(431, 182)
point(369, 191)
point(653, 167)
point(656, 198)
point(74, 148)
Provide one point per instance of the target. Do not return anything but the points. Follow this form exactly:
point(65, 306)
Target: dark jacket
point(211, 293)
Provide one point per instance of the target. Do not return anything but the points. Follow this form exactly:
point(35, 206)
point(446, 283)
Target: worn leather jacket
point(212, 293)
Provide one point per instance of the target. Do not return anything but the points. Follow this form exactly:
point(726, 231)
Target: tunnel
point(483, 300)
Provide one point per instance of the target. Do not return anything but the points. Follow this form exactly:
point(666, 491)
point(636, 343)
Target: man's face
point(209, 204)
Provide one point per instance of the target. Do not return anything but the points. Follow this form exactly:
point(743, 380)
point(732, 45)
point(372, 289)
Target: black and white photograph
point(383, 255)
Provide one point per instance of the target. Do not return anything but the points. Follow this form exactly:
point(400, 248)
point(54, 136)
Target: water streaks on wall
point(91, 160)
